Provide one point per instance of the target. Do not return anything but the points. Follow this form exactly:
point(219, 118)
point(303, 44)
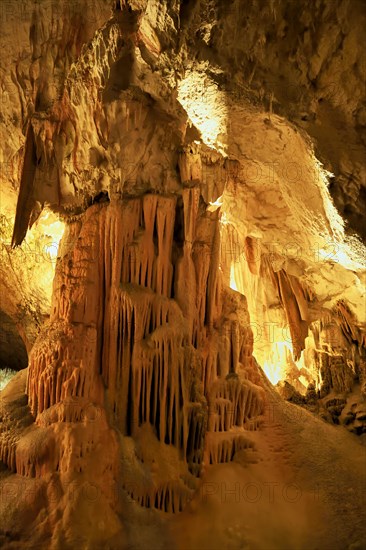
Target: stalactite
point(186, 292)
point(26, 198)
point(294, 304)
point(148, 334)
point(232, 403)
point(201, 257)
point(165, 228)
point(63, 365)
point(214, 279)
point(8, 445)
point(197, 425)
point(191, 197)
point(252, 254)
point(144, 346)
point(210, 360)
point(35, 454)
point(348, 323)
point(329, 354)
point(190, 166)
point(221, 447)
point(170, 497)
point(300, 295)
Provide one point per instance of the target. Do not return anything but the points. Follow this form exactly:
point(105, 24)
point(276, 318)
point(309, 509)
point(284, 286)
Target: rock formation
point(191, 155)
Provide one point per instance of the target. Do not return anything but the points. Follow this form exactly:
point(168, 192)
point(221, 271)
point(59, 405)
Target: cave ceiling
point(181, 213)
point(267, 102)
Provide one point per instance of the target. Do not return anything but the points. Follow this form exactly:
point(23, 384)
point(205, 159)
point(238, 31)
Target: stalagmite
point(121, 320)
point(182, 196)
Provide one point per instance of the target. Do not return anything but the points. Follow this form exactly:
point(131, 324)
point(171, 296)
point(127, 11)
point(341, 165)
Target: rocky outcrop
point(210, 208)
point(164, 366)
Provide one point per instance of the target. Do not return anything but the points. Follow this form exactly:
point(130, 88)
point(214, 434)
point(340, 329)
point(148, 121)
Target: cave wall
point(195, 152)
point(146, 359)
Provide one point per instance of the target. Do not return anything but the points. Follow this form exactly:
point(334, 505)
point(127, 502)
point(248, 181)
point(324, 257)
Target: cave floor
point(302, 488)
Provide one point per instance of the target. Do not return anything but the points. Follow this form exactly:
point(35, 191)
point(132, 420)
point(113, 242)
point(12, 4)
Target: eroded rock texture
point(144, 350)
point(203, 161)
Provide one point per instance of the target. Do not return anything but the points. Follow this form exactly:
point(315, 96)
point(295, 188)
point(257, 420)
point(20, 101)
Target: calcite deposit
point(183, 277)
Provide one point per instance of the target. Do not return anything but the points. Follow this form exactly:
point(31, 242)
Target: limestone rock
point(203, 162)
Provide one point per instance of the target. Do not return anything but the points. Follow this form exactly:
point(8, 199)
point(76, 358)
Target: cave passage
point(13, 353)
